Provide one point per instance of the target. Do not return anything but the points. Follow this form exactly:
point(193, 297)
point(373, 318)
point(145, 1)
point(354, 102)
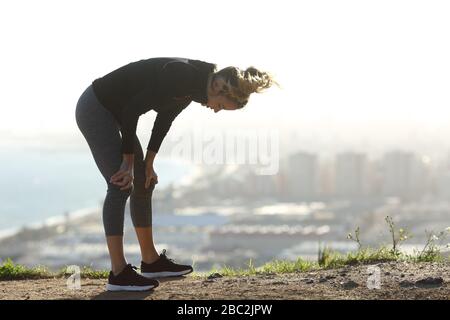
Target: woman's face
point(220, 102)
point(217, 101)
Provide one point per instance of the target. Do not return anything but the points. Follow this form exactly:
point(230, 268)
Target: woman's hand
point(150, 175)
point(124, 177)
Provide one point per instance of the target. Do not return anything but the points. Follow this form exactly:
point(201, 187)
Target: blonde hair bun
point(242, 83)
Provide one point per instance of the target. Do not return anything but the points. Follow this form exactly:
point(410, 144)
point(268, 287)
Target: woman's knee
point(115, 191)
point(141, 191)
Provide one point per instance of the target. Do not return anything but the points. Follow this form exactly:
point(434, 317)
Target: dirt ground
point(397, 281)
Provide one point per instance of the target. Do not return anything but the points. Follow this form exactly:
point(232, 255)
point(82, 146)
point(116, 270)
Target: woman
point(107, 115)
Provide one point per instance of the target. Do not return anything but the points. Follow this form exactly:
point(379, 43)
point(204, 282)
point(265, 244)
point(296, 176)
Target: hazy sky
point(375, 68)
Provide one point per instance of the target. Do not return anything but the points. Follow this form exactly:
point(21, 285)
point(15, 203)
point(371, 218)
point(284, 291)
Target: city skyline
point(305, 177)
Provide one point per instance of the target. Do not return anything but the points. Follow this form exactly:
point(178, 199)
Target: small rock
point(205, 282)
point(215, 276)
point(406, 284)
point(349, 284)
point(430, 282)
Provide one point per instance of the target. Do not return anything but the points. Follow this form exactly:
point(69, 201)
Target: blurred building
point(302, 176)
point(326, 179)
point(442, 179)
point(404, 175)
point(351, 175)
point(258, 186)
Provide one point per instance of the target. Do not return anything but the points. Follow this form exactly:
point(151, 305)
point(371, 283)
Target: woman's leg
point(141, 207)
point(153, 264)
point(148, 250)
point(102, 134)
point(115, 248)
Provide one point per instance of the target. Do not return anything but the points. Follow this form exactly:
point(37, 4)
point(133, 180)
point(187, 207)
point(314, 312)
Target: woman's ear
point(217, 84)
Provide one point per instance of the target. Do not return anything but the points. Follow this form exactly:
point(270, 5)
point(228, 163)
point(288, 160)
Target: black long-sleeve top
point(166, 85)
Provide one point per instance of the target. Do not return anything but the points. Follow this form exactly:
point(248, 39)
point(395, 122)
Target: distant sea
point(37, 184)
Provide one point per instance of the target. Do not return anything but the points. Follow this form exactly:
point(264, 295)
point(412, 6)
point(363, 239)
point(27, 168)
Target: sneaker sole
point(165, 274)
point(113, 287)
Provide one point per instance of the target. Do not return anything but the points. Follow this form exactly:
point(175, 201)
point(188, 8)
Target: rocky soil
point(397, 281)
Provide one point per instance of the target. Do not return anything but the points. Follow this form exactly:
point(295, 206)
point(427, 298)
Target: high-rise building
point(404, 175)
point(351, 175)
point(302, 176)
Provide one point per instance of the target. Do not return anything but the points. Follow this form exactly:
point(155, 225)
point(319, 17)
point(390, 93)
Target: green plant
point(283, 266)
point(433, 246)
point(251, 267)
point(355, 237)
point(398, 236)
point(11, 271)
point(324, 256)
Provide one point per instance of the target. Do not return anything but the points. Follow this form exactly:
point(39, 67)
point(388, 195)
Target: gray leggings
point(101, 131)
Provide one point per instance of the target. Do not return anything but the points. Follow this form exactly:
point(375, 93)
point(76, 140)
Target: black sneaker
point(130, 280)
point(164, 267)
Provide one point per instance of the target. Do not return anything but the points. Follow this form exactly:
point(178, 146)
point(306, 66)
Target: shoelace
point(131, 267)
point(135, 274)
point(128, 267)
point(163, 255)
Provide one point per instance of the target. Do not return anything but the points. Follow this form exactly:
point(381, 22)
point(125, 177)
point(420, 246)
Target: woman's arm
point(125, 176)
point(150, 157)
point(128, 158)
point(162, 124)
point(161, 127)
point(150, 174)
